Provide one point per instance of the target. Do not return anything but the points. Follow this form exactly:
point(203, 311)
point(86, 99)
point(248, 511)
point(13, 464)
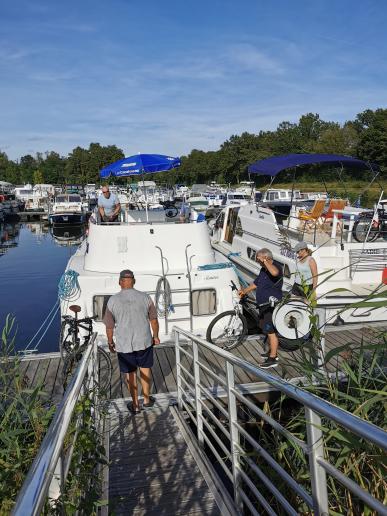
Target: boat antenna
point(341, 180)
point(292, 196)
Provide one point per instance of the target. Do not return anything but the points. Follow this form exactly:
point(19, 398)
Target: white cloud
point(250, 57)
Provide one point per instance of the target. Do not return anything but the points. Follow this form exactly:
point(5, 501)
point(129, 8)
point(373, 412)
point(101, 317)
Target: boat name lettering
point(285, 251)
point(374, 251)
point(211, 277)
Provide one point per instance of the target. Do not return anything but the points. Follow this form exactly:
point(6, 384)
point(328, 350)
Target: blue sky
point(169, 76)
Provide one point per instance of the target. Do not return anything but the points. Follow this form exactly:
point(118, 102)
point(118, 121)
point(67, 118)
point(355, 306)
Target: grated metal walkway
point(152, 470)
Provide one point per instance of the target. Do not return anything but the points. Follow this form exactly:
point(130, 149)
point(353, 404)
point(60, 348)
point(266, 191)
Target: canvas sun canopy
point(275, 165)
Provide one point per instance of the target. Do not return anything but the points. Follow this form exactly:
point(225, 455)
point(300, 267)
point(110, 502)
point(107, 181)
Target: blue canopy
point(140, 164)
point(275, 165)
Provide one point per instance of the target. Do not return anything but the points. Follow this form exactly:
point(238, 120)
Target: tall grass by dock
point(24, 420)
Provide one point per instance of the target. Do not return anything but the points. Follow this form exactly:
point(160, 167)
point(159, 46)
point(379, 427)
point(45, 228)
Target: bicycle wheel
point(67, 341)
point(70, 362)
point(171, 212)
point(104, 371)
point(362, 227)
point(227, 330)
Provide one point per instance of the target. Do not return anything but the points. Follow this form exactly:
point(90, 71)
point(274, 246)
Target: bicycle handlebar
point(70, 318)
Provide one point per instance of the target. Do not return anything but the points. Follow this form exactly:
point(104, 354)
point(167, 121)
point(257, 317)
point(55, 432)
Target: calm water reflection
point(32, 259)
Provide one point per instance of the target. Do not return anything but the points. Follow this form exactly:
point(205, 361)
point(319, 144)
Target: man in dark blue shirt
point(267, 284)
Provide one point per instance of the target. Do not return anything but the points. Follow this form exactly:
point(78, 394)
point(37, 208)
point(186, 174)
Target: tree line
point(364, 137)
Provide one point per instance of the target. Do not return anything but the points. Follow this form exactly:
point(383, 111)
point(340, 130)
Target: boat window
point(61, 198)
point(283, 195)
point(74, 198)
point(99, 305)
point(203, 302)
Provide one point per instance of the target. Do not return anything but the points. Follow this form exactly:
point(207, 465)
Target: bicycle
point(170, 209)
point(72, 348)
point(229, 329)
point(369, 227)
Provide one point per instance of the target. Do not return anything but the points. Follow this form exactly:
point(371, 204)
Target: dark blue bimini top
point(275, 165)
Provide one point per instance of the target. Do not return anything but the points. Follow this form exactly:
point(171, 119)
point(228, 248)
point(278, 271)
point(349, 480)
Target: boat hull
point(67, 219)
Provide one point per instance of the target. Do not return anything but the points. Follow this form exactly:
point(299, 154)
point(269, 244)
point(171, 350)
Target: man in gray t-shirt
point(109, 206)
point(131, 315)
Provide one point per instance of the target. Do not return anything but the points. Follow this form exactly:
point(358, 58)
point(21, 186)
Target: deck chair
point(327, 217)
point(334, 204)
point(312, 217)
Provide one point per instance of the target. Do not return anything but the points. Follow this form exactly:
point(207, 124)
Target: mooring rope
point(68, 286)
point(56, 308)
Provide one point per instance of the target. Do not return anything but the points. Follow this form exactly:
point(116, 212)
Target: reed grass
point(24, 420)
point(354, 378)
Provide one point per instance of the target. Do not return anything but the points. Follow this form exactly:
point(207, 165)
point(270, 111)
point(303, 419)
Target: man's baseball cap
point(300, 245)
point(126, 273)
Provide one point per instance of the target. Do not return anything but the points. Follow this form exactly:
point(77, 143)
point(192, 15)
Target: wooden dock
point(47, 368)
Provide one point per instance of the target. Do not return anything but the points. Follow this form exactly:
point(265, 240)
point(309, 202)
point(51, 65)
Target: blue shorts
point(266, 321)
point(130, 362)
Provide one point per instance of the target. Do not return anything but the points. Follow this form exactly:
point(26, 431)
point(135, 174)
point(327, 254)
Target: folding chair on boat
point(334, 204)
point(311, 218)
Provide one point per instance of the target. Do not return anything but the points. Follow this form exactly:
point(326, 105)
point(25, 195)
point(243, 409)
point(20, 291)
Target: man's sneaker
point(270, 362)
point(265, 354)
point(134, 410)
point(150, 403)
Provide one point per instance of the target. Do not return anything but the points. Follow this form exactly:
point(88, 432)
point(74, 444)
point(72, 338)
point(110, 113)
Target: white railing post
point(317, 473)
point(178, 370)
point(321, 314)
point(234, 433)
point(56, 484)
point(198, 406)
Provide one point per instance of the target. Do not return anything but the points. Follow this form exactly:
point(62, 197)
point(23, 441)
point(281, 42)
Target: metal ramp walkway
point(203, 455)
point(152, 469)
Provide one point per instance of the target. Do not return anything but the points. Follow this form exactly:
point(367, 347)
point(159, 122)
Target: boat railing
point(47, 475)
point(218, 414)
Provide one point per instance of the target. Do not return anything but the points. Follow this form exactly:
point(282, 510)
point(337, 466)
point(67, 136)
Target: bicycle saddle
point(75, 308)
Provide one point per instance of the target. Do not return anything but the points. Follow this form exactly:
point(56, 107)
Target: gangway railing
point(47, 476)
point(220, 430)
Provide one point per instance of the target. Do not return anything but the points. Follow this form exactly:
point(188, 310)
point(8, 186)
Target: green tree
point(38, 177)
point(372, 130)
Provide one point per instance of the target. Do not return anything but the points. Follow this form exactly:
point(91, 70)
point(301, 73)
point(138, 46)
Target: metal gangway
point(212, 453)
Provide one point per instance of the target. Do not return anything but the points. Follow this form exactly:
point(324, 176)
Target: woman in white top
point(305, 281)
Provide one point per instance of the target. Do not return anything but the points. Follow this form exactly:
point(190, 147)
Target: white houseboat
point(67, 209)
point(174, 263)
point(350, 272)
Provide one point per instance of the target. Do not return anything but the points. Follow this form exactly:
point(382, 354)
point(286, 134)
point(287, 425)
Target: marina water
point(33, 257)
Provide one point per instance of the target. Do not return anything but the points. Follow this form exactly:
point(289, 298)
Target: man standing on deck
point(267, 284)
point(109, 206)
point(132, 315)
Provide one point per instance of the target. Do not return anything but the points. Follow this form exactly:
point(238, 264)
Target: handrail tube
point(277, 467)
point(353, 487)
point(278, 495)
point(256, 493)
point(216, 403)
point(218, 457)
point(274, 424)
point(33, 492)
point(188, 385)
point(215, 420)
point(213, 375)
point(186, 372)
point(185, 352)
point(247, 501)
point(220, 444)
point(361, 428)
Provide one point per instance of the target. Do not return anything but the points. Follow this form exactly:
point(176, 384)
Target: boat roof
point(276, 164)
